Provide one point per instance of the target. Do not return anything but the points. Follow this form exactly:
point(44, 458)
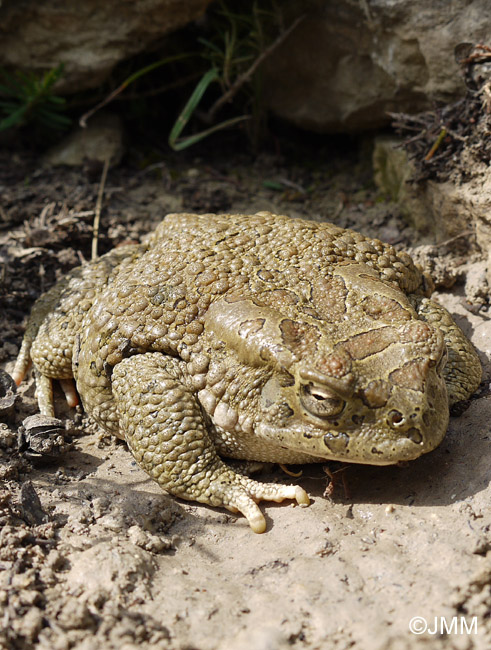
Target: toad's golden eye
point(320, 401)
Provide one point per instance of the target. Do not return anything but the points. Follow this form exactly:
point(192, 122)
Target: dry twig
point(98, 208)
point(244, 78)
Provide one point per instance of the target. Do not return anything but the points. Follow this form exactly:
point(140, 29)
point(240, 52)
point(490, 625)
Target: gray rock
point(350, 62)
point(446, 210)
point(8, 394)
point(89, 37)
point(101, 139)
point(342, 69)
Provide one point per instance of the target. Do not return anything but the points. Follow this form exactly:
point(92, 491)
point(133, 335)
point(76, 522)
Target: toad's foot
point(44, 393)
point(166, 432)
point(44, 390)
point(240, 494)
point(44, 384)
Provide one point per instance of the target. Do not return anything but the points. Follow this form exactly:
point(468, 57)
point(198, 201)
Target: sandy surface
point(93, 555)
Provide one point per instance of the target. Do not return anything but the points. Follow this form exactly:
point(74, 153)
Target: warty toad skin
point(254, 337)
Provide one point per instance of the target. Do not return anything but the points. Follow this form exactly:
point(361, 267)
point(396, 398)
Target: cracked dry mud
point(94, 555)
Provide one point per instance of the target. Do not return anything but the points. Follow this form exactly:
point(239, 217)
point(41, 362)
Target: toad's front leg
point(166, 432)
point(463, 370)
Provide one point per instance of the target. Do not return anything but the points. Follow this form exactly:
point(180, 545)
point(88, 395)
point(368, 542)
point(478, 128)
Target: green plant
point(238, 44)
point(178, 143)
point(131, 79)
point(230, 57)
point(27, 97)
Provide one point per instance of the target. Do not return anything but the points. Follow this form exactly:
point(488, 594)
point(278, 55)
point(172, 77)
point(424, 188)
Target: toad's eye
point(320, 401)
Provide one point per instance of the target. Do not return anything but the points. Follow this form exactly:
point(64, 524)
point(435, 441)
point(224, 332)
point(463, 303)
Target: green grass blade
point(9, 105)
point(153, 66)
point(183, 143)
point(52, 117)
point(157, 64)
point(196, 96)
point(53, 122)
point(13, 119)
point(55, 99)
point(210, 45)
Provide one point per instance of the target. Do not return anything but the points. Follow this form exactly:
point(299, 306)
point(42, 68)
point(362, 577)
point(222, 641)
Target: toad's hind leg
point(463, 369)
point(44, 306)
point(166, 432)
point(56, 320)
point(47, 344)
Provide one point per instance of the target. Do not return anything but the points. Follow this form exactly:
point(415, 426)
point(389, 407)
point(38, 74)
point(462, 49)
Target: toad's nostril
point(415, 435)
point(396, 419)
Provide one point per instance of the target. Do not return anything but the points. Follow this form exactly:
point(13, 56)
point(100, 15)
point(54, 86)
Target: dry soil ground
point(93, 555)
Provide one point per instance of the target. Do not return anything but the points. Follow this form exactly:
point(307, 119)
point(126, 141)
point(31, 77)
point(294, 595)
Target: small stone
point(102, 139)
point(148, 541)
point(41, 435)
point(8, 394)
point(32, 510)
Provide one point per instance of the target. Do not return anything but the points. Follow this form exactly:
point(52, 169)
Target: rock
point(8, 394)
point(435, 208)
point(111, 567)
point(350, 62)
point(441, 265)
point(102, 138)
point(32, 509)
point(148, 541)
point(446, 210)
point(343, 67)
point(392, 172)
point(42, 435)
point(476, 287)
point(89, 37)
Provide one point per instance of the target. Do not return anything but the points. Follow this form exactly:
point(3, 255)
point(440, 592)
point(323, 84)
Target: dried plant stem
point(442, 135)
point(244, 78)
point(98, 208)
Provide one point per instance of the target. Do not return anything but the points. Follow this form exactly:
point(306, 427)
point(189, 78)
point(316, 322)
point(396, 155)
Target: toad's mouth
point(368, 443)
